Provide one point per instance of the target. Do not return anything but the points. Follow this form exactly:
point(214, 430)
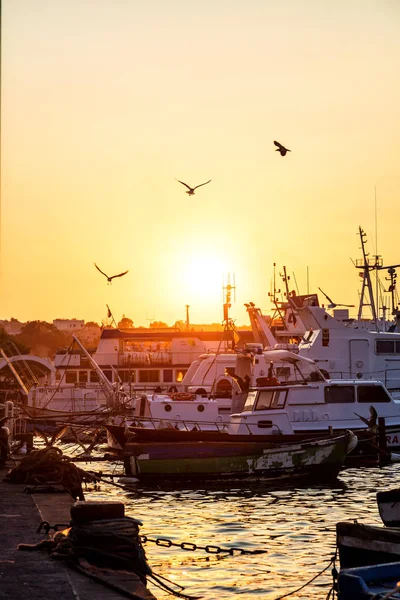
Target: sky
point(106, 104)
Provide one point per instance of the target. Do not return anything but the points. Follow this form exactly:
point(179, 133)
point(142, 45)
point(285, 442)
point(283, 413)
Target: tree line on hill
point(40, 338)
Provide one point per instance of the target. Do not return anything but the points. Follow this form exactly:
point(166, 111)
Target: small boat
point(389, 507)
point(361, 545)
point(316, 459)
point(377, 581)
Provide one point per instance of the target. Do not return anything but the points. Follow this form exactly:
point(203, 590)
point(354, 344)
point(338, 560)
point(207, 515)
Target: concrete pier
point(34, 575)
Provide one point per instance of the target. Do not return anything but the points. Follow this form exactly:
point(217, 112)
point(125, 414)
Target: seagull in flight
point(112, 276)
point(332, 303)
point(191, 189)
point(281, 149)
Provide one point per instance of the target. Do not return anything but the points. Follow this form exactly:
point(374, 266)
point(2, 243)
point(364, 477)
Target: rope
point(49, 466)
point(332, 561)
point(92, 542)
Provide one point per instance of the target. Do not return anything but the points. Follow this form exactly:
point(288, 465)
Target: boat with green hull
point(316, 459)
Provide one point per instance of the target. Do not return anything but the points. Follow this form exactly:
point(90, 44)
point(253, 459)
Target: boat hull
point(186, 461)
point(361, 545)
point(376, 581)
point(389, 507)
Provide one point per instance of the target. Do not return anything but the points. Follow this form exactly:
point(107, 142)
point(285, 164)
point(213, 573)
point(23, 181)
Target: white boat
point(141, 360)
point(307, 402)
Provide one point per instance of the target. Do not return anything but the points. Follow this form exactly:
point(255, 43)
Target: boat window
point(251, 397)
point(268, 399)
point(168, 376)
point(82, 376)
point(124, 375)
point(397, 345)
point(108, 374)
point(338, 394)
point(71, 377)
point(179, 375)
point(94, 378)
point(149, 376)
point(283, 373)
point(372, 394)
point(384, 347)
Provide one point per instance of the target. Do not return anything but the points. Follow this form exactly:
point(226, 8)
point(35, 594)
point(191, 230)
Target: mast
point(109, 390)
point(367, 266)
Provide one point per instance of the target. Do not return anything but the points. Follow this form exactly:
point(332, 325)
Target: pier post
point(384, 455)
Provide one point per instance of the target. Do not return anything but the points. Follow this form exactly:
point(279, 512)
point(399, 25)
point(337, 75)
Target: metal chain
point(166, 543)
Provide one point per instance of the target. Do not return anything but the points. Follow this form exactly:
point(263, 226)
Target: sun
point(203, 276)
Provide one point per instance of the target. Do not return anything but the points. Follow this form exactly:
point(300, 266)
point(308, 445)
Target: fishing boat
point(360, 544)
point(374, 582)
point(317, 459)
point(304, 403)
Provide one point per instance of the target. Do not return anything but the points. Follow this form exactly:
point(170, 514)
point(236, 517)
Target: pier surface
point(34, 575)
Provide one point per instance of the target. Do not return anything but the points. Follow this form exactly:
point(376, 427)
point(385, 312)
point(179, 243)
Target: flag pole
point(109, 313)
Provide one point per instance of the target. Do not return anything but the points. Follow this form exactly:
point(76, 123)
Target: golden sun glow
point(203, 276)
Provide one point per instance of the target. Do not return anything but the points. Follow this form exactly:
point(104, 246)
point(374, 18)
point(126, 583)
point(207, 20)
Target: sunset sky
point(104, 104)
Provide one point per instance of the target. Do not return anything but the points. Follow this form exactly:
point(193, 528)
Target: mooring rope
point(49, 466)
point(334, 573)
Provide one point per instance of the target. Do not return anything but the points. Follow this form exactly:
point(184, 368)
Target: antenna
point(227, 289)
point(367, 265)
point(274, 292)
point(295, 281)
point(151, 319)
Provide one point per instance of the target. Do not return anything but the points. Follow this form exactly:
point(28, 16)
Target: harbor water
point(294, 526)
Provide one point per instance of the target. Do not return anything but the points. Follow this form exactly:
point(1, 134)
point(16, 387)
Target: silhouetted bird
point(372, 422)
point(112, 276)
point(281, 149)
point(332, 303)
point(191, 189)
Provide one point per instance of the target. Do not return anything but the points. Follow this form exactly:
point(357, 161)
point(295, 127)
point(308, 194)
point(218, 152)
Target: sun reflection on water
point(296, 527)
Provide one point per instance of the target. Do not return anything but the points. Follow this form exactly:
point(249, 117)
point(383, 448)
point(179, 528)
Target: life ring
point(182, 396)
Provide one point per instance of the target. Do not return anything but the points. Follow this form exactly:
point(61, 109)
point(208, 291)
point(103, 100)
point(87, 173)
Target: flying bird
point(332, 303)
point(191, 189)
point(281, 149)
point(112, 276)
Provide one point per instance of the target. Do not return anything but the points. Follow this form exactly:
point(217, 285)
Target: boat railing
point(163, 423)
point(187, 425)
point(383, 375)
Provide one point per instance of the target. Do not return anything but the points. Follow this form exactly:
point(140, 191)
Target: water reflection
point(295, 526)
